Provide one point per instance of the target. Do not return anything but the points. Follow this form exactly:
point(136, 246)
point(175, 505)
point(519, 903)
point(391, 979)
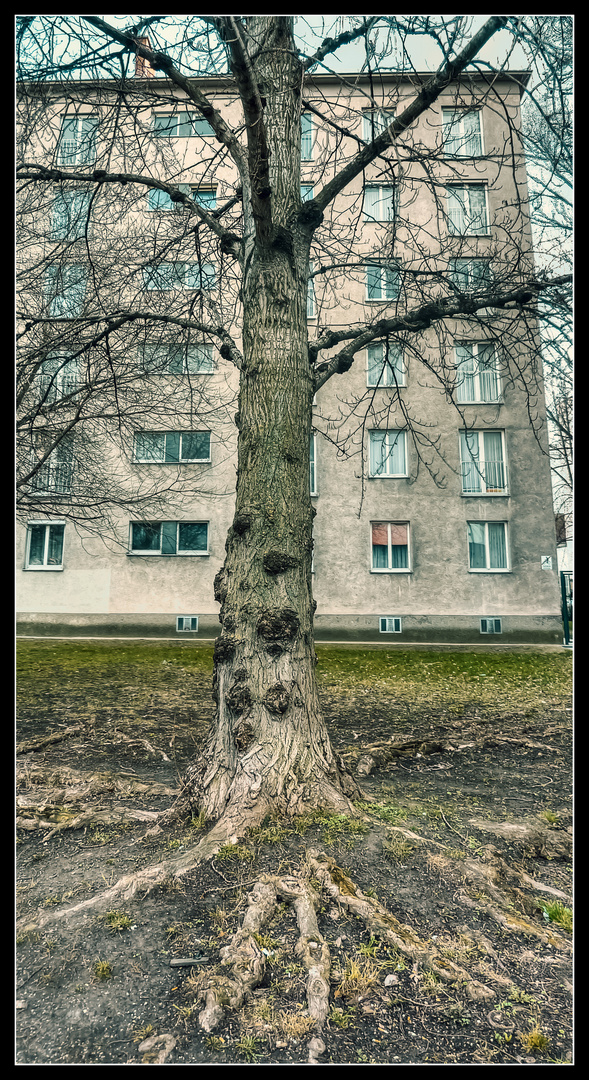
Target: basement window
point(491, 626)
point(390, 624)
point(186, 623)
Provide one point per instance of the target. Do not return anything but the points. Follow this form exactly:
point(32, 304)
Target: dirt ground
point(464, 837)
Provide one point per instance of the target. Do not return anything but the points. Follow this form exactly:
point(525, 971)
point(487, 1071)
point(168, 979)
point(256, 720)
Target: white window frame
point(487, 568)
point(181, 628)
point(66, 286)
point(307, 136)
point(61, 382)
point(496, 628)
point(57, 471)
point(193, 359)
point(311, 308)
point(389, 568)
point(390, 624)
point(476, 464)
point(480, 375)
point(384, 207)
point(168, 438)
point(45, 566)
point(462, 217)
point(391, 364)
point(82, 143)
point(313, 464)
point(67, 222)
point(172, 276)
point(182, 118)
point(458, 141)
point(390, 440)
point(382, 282)
point(375, 121)
point(159, 552)
point(467, 270)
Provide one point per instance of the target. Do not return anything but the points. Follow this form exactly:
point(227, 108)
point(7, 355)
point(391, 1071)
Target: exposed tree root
point(384, 925)
point(44, 817)
point(66, 785)
point(367, 758)
point(48, 740)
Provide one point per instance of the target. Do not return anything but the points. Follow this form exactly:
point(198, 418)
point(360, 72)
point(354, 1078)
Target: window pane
point(199, 359)
point(377, 454)
point(494, 467)
point(36, 545)
point(396, 455)
point(145, 536)
point(469, 454)
point(476, 545)
point(159, 200)
point(196, 446)
point(149, 446)
point(192, 536)
point(55, 546)
point(306, 136)
point(164, 124)
point(497, 546)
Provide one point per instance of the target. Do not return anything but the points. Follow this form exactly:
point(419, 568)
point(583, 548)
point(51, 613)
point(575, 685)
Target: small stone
point(391, 980)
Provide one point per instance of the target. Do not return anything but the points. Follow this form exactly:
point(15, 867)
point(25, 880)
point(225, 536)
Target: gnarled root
point(384, 925)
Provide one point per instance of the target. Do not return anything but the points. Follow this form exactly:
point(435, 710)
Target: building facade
point(429, 468)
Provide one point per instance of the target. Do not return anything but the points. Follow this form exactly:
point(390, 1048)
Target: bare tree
point(269, 748)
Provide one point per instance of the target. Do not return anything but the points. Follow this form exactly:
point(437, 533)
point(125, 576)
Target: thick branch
point(429, 93)
point(419, 319)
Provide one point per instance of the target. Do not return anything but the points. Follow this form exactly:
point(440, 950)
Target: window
point(58, 378)
point(44, 547)
point(379, 202)
point(487, 545)
point(170, 446)
point(390, 546)
point(311, 294)
point(307, 137)
point(313, 464)
point(169, 538)
point(180, 125)
point(161, 200)
point(205, 197)
point(54, 477)
point(482, 463)
point(306, 192)
point(382, 282)
point(179, 359)
point(467, 209)
point(388, 453)
point(66, 290)
point(491, 626)
point(70, 215)
point(385, 365)
point(186, 623)
point(77, 141)
point(477, 374)
point(374, 122)
point(390, 624)
point(470, 274)
point(179, 275)
point(462, 133)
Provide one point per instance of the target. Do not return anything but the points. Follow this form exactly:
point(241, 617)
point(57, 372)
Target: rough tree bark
point(269, 746)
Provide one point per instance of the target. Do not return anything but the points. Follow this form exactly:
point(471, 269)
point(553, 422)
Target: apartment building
point(428, 465)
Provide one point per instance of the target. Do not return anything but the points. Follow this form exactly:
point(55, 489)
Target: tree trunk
point(269, 748)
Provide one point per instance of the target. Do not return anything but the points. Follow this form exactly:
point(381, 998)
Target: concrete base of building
point(397, 630)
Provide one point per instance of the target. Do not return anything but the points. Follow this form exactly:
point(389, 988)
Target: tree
point(548, 141)
point(269, 748)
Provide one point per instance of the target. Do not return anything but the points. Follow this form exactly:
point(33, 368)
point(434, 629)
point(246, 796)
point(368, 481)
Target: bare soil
point(464, 837)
